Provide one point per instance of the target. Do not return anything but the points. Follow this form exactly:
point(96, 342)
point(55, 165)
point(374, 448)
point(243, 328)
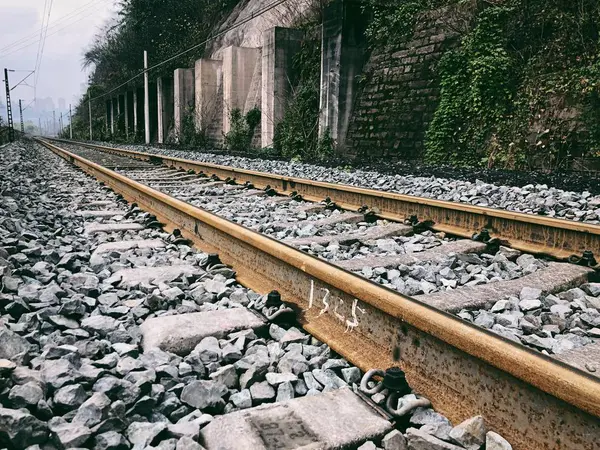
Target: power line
point(37, 56)
point(37, 69)
point(236, 25)
point(77, 19)
point(55, 23)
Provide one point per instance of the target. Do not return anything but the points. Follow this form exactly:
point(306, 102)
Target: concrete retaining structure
point(238, 70)
point(208, 82)
point(342, 56)
point(280, 45)
point(183, 97)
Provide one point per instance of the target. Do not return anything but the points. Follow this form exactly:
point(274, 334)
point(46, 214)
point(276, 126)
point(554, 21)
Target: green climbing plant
point(242, 127)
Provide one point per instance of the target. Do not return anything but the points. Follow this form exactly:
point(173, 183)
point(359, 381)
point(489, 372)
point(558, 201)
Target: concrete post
point(164, 94)
point(113, 115)
point(208, 74)
point(238, 69)
point(135, 112)
point(342, 57)
point(279, 47)
point(184, 96)
point(108, 105)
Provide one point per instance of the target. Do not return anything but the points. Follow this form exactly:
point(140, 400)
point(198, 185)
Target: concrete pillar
point(208, 74)
point(238, 69)
point(279, 47)
point(164, 95)
point(183, 97)
point(135, 112)
point(108, 105)
point(113, 115)
point(342, 57)
point(129, 113)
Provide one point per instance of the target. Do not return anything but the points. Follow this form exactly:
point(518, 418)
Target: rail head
point(292, 181)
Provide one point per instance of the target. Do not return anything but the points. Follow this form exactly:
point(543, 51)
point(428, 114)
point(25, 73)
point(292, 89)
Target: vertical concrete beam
point(135, 112)
point(113, 115)
point(279, 47)
point(208, 75)
point(164, 94)
point(129, 112)
point(342, 57)
point(238, 69)
point(108, 105)
point(184, 96)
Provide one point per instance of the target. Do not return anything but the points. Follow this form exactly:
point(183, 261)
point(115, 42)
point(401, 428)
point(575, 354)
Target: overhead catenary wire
point(37, 56)
point(247, 19)
point(39, 63)
point(75, 20)
point(78, 11)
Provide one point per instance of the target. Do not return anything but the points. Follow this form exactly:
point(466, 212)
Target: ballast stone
point(94, 228)
point(20, 429)
point(181, 333)
point(336, 419)
point(155, 275)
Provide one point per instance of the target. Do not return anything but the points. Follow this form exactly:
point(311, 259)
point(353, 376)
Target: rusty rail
point(558, 238)
point(536, 402)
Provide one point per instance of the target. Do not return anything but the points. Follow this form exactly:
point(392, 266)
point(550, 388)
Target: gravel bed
point(531, 198)
point(72, 370)
point(552, 324)
point(455, 271)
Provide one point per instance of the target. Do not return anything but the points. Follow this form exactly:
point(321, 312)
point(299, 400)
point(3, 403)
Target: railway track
point(464, 369)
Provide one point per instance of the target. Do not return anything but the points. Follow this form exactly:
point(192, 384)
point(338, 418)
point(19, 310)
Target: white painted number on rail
point(351, 323)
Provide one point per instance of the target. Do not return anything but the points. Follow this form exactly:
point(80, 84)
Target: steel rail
point(536, 402)
point(559, 238)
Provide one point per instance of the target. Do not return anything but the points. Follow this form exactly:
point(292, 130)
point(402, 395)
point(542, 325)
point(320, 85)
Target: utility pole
point(11, 130)
point(54, 123)
point(60, 125)
point(40, 125)
point(70, 122)
point(21, 114)
point(146, 100)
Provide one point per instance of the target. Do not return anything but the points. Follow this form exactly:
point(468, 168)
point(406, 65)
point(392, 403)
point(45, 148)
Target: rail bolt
point(273, 299)
point(212, 259)
point(395, 380)
point(588, 258)
point(482, 236)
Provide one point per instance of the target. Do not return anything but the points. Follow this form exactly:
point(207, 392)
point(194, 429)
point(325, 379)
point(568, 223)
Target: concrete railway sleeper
point(445, 359)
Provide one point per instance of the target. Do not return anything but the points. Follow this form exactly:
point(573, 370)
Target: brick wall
point(400, 91)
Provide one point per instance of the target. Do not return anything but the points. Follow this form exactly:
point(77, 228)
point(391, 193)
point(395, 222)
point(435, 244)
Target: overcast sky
point(73, 24)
